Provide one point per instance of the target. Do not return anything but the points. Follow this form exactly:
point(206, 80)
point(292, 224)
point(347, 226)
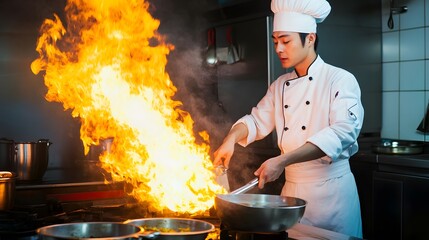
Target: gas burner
point(231, 235)
point(226, 234)
point(15, 224)
point(21, 223)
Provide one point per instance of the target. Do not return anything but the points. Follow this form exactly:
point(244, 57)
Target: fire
point(107, 66)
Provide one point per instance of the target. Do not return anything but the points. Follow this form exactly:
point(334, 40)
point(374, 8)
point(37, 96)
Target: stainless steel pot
point(7, 190)
point(388, 146)
point(7, 154)
point(31, 159)
point(176, 228)
point(95, 151)
point(93, 230)
point(259, 212)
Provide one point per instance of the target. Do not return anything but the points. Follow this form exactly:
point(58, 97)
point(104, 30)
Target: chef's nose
point(279, 48)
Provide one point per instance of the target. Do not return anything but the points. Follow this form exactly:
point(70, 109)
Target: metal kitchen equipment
point(233, 54)
point(176, 228)
point(93, 230)
point(246, 187)
point(7, 154)
point(95, 151)
point(31, 159)
point(7, 190)
point(211, 58)
point(221, 176)
point(22, 222)
point(260, 213)
point(395, 10)
point(387, 146)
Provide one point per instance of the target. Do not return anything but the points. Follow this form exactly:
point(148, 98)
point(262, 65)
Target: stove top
point(47, 204)
point(234, 235)
point(22, 222)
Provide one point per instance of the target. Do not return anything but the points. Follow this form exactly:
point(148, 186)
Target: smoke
point(184, 25)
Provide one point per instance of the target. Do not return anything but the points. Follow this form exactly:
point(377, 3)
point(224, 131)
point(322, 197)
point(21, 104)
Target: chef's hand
point(223, 154)
point(270, 170)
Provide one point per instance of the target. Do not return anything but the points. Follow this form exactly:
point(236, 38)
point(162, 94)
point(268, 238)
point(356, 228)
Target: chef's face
point(290, 49)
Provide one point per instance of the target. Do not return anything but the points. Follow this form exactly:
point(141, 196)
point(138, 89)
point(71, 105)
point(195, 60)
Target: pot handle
point(45, 141)
point(3, 139)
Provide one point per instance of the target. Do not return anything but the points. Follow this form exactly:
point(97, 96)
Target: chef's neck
point(302, 67)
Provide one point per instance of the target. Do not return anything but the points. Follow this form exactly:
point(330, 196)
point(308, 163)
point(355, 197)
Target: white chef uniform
point(323, 108)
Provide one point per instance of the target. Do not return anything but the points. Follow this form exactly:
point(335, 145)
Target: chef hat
point(299, 15)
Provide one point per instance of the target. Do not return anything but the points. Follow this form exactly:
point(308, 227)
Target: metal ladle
point(211, 58)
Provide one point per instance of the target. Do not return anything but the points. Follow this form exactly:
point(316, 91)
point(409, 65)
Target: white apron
point(332, 203)
point(323, 108)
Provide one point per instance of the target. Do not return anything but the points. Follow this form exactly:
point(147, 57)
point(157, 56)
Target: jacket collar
point(314, 67)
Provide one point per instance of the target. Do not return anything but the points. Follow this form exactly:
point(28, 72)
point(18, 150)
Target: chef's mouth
point(285, 62)
point(282, 58)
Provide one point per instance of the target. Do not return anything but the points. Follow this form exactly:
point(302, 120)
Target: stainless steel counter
point(416, 161)
point(301, 231)
point(417, 164)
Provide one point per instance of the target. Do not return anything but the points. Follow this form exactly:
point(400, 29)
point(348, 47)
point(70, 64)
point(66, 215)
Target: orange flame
point(108, 68)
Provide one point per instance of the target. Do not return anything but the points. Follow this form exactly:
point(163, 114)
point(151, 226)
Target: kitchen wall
point(405, 85)
point(350, 38)
point(25, 115)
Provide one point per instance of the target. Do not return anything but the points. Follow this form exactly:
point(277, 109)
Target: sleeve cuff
point(327, 141)
point(251, 128)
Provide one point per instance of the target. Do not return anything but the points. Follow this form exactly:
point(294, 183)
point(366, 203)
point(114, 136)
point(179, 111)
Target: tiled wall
point(405, 83)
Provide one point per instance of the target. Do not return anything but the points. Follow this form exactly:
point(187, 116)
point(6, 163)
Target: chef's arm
point(224, 153)
point(271, 169)
point(306, 152)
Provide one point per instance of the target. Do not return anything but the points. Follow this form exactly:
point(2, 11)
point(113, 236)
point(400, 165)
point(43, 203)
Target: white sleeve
point(261, 121)
point(346, 119)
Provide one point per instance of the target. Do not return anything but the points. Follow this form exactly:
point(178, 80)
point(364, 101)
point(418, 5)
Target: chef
point(317, 114)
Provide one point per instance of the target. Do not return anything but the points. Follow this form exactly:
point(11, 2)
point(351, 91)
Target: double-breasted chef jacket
point(323, 108)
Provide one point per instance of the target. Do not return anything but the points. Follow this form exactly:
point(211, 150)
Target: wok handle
point(246, 187)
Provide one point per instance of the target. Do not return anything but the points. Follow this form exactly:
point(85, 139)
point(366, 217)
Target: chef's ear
point(311, 38)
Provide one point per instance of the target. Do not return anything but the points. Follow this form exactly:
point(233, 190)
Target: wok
point(259, 213)
point(93, 230)
point(178, 228)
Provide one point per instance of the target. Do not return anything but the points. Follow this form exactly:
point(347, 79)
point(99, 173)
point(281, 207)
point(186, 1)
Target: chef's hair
point(304, 35)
